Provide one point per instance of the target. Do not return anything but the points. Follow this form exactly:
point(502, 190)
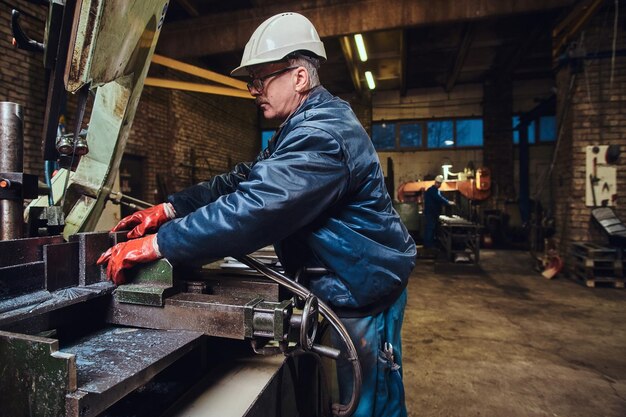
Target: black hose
point(339, 410)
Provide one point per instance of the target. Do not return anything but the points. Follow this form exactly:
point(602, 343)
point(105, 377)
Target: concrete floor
point(505, 341)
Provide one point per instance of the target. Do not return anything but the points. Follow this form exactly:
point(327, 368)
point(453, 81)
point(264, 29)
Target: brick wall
point(595, 115)
point(22, 79)
point(187, 137)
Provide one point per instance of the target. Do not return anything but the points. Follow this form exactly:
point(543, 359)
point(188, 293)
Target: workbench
point(460, 239)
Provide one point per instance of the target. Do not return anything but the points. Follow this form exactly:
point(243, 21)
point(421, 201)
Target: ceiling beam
point(228, 32)
point(348, 53)
point(467, 36)
point(198, 88)
point(199, 72)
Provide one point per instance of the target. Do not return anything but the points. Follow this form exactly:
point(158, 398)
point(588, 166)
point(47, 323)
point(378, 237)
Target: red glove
point(145, 221)
point(128, 254)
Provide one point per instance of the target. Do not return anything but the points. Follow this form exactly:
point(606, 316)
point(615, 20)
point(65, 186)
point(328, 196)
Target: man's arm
point(283, 193)
point(196, 196)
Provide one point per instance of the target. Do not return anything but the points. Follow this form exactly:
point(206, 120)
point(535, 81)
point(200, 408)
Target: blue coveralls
point(433, 201)
point(317, 194)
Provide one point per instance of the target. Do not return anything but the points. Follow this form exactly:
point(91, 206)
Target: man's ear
point(301, 76)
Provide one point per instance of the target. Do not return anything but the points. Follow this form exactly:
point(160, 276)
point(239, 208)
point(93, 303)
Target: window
point(440, 134)
point(266, 135)
point(539, 130)
point(429, 134)
point(547, 129)
point(384, 135)
point(469, 132)
point(411, 135)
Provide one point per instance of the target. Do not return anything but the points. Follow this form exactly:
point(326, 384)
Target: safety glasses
point(257, 83)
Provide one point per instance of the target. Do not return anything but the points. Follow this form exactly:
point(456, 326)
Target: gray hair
point(311, 64)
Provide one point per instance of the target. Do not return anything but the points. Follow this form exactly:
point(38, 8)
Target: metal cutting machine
point(174, 341)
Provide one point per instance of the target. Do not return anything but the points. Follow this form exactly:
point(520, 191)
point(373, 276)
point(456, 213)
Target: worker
point(317, 193)
point(433, 202)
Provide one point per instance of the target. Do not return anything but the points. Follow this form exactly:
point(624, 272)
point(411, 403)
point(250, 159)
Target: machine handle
point(19, 37)
point(339, 410)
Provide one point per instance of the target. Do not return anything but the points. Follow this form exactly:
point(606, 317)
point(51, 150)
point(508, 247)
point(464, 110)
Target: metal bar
point(199, 72)
point(61, 261)
point(198, 88)
point(11, 160)
point(15, 252)
point(220, 316)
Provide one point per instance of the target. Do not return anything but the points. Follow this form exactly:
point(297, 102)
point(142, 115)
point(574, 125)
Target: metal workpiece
point(90, 246)
point(150, 284)
point(11, 160)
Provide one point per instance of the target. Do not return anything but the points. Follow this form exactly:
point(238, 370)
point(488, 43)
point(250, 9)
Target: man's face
point(277, 97)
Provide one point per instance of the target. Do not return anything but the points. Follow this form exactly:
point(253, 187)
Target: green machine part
point(111, 49)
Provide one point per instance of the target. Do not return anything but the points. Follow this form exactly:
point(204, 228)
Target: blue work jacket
point(317, 194)
point(433, 201)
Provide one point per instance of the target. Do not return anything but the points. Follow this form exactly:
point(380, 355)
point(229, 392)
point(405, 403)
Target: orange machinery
point(475, 189)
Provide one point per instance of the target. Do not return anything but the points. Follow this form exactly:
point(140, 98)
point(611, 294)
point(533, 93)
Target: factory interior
point(515, 109)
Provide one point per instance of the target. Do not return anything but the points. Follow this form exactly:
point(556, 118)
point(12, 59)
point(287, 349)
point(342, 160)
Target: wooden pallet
point(614, 282)
point(592, 277)
point(594, 264)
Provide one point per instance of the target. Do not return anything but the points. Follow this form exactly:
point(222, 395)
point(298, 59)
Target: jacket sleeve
point(305, 176)
point(441, 199)
point(196, 196)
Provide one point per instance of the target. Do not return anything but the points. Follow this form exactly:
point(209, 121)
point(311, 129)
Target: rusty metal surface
point(20, 251)
point(214, 315)
point(38, 304)
point(34, 376)
point(115, 361)
point(20, 279)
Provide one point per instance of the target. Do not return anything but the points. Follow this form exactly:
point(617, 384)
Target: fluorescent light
point(360, 46)
point(370, 80)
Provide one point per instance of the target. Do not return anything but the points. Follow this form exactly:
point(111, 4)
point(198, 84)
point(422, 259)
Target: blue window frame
point(440, 134)
point(429, 134)
point(411, 135)
point(542, 129)
point(547, 129)
point(384, 136)
point(469, 132)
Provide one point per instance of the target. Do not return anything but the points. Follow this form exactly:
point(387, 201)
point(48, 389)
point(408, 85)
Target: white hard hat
point(277, 37)
point(439, 178)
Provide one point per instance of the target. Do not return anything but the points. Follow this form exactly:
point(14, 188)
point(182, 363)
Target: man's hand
point(145, 221)
point(128, 254)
